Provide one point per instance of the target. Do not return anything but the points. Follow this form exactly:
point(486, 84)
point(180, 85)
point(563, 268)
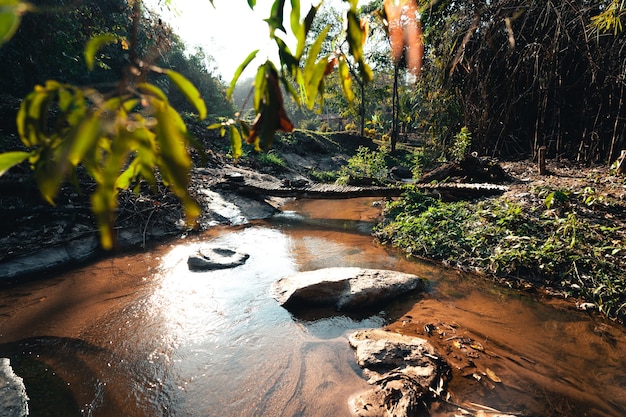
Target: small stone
point(210, 258)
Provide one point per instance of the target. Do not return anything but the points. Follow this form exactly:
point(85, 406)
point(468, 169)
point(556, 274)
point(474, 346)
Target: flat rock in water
point(74, 251)
point(345, 289)
point(13, 399)
point(212, 257)
point(405, 373)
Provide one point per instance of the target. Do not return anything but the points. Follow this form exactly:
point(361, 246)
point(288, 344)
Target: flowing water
point(141, 335)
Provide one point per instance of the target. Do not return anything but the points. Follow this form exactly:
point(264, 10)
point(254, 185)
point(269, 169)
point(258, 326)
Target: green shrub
point(461, 145)
point(365, 165)
point(560, 249)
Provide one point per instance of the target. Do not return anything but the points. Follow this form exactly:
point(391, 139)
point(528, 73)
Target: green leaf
point(153, 90)
point(94, 45)
point(103, 203)
point(190, 91)
point(238, 72)
point(175, 162)
point(235, 142)
point(260, 85)
point(346, 80)
point(313, 53)
point(10, 18)
point(315, 84)
point(296, 26)
point(275, 21)
point(355, 36)
point(286, 57)
point(301, 35)
point(83, 140)
point(10, 159)
point(252, 3)
point(215, 126)
point(128, 175)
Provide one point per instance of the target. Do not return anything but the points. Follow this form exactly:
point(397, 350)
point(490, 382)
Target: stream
point(142, 335)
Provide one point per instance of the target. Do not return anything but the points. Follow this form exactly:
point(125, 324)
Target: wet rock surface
point(344, 289)
point(212, 257)
point(13, 398)
point(405, 372)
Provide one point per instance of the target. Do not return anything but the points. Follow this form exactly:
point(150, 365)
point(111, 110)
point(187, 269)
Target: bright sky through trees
point(228, 32)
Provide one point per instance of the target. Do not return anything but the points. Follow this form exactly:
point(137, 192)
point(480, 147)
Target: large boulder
point(405, 373)
point(345, 289)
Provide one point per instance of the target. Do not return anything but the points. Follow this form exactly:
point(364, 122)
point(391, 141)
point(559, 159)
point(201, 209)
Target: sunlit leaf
point(11, 12)
point(355, 35)
point(83, 140)
point(175, 163)
point(152, 90)
point(235, 142)
point(251, 3)
point(314, 51)
point(215, 126)
point(190, 92)
point(302, 34)
point(10, 159)
point(287, 59)
point(346, 80)
point(94, 45)
point(103, 203)
point(314, 85)
point(238, 72)
point(125, 179)
point(260, 84)
point(275, 21)
point(296, 26)
point(271, 115)
point(32, 115)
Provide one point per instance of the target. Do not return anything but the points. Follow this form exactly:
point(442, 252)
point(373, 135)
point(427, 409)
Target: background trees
point(532, 73)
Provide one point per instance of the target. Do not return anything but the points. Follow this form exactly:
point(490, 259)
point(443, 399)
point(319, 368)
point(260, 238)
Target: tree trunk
point(541, 160)
point(621, 163)
point(395, 109)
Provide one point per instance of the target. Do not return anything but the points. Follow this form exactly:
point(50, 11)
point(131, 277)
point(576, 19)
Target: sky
point(228, 32)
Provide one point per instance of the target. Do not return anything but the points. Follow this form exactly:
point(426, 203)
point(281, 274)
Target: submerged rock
point(13, 398)
point(405, 373)
point(345, 289)
point(212, 257)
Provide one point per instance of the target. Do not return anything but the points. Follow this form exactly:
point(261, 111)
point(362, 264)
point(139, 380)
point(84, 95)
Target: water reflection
point(229, 349)
point(142, 335)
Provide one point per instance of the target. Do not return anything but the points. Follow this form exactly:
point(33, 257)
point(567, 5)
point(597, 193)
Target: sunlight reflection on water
point(225, 331)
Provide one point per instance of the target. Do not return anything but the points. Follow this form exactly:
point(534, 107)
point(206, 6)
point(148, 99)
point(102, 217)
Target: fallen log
point(446, 191)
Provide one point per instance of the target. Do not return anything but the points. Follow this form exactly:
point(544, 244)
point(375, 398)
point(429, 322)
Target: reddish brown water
point(141, 335)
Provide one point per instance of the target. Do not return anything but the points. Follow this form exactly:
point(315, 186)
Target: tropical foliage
point(128, 131)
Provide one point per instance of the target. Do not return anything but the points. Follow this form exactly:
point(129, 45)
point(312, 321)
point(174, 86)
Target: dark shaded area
point(533, 74)
point(49, 393)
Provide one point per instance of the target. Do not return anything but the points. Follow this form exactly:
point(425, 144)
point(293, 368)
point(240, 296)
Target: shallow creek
point(141, 335)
